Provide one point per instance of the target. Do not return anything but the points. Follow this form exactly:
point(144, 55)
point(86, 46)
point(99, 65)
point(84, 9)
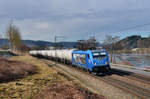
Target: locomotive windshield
point(99, 55)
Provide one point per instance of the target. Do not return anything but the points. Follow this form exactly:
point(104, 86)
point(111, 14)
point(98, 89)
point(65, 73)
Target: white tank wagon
point(33, 52)
point(65, 54)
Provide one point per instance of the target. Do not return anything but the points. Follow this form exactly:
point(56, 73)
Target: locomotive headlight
point(95, 63)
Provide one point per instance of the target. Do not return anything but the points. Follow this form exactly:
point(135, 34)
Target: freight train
point(91, 60)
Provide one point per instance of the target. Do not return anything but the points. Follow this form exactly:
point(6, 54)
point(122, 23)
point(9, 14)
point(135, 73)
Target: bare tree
point(13, 36)
point(149, 40)
point(111, 44)
point(89, 44)
point(92, 43)
point(1, 35)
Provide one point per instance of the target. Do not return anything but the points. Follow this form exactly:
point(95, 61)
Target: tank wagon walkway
point(95, 85)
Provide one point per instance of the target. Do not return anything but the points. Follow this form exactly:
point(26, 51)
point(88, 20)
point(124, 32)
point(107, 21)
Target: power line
point(136, 26)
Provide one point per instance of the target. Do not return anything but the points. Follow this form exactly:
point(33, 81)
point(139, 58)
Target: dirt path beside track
point(93, 84)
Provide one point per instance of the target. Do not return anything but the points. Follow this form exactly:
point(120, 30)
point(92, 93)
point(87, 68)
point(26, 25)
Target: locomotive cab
point(100, 61)
point(93, 60)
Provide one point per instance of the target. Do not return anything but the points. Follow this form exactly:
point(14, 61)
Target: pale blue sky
point(75, 19)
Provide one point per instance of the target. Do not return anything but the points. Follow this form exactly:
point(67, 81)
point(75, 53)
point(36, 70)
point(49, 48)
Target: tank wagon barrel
point(59, 54)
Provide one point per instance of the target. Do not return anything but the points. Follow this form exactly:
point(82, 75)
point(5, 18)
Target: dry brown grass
point(29, 86)
point(11, 70)
point(67, 91)
point(60, 91)
point(47, 83)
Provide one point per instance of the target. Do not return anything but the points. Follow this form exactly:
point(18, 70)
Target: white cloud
point(42, 25)
point(75, 19)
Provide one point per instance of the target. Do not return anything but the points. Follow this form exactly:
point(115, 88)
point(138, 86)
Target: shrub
point(11, 70)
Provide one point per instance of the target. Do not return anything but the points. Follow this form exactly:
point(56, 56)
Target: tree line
point(13, 35)
point(89, 44)
point(111, 43)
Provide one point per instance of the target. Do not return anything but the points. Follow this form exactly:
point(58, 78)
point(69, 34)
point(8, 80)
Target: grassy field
point(12, 70)
point(46, 83)
point(30, 86)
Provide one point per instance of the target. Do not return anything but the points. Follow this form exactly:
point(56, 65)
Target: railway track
point(133, 89)
point(139, 77)
point(137, 90)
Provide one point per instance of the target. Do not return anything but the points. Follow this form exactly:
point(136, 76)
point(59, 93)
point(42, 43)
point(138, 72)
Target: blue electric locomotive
point(92, 60)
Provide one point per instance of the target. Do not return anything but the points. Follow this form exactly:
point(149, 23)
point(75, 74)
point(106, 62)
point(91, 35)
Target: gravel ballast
point(98, 86)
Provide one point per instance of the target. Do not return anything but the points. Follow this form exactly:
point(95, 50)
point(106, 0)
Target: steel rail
point(139, 77)
point(132, 89)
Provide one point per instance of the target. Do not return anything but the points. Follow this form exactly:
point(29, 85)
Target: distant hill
point(130, 42)
point(134, 41)
point(31, 43)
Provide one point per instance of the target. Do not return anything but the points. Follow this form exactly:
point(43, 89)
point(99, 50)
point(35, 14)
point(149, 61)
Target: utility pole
point(55, 50)
point(56, 38)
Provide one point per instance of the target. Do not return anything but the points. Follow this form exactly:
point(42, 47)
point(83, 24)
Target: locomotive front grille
point(99, 68)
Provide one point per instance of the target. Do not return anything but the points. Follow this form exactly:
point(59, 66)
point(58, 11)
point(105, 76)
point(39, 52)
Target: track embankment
point(99, 85)
point(13, 70)
point(46, 83)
